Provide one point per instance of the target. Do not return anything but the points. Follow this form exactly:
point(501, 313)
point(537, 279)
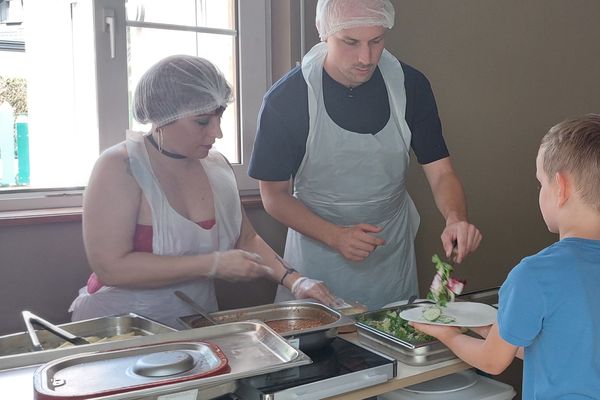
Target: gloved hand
point(305, 288)
point(238, 265)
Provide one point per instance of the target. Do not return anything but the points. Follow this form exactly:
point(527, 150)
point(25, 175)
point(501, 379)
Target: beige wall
point(41, 269)
point(285, 43)
point(503, 72)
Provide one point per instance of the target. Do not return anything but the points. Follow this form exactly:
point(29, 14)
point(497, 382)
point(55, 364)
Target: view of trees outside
point(13, 96)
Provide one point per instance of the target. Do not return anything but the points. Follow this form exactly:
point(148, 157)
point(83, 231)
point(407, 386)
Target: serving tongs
point(31, 319)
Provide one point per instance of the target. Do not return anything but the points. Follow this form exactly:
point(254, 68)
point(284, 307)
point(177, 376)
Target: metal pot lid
point(91, 375)
point(164, 363)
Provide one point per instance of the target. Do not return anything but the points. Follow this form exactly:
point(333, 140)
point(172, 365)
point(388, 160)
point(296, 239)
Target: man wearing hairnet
point(340, 127)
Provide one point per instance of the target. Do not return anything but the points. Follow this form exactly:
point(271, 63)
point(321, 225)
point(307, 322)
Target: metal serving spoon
point(197, 307)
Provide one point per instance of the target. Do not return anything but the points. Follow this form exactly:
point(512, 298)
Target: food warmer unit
point(259, 363)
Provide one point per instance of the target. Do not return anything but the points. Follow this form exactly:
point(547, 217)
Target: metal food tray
point(252, 348)
point(406, 351)
point(309, 338)
point(128, 370)
point(102, 327)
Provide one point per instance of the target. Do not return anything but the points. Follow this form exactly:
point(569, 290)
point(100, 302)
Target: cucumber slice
point(432, 313)
point(445, 319)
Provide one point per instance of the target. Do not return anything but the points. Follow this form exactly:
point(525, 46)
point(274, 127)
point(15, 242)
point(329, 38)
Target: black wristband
point(288, 271)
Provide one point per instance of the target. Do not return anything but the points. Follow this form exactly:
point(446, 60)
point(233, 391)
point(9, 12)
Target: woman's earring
point(160, 138)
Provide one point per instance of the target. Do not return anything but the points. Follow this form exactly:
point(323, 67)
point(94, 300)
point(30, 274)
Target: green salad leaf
point(392, 324)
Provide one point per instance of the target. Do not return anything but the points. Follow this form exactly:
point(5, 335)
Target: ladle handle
point(199, 309)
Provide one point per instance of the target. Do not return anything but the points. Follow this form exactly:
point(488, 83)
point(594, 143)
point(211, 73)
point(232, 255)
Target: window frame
point(253, 75)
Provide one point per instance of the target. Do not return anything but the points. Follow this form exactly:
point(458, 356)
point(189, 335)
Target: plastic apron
point(349, 178)
point(173, 235)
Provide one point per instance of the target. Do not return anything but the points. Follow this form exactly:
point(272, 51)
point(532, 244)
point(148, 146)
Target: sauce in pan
point(287, 325)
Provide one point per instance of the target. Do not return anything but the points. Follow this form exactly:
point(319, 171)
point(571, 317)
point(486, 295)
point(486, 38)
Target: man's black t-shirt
point(283, 122)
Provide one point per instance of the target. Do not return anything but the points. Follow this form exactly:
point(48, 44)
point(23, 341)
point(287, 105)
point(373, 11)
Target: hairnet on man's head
point(335, 15)
point(179, 86)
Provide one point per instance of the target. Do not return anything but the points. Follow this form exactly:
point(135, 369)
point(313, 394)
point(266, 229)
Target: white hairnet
point(335, 15)
point(179, 86)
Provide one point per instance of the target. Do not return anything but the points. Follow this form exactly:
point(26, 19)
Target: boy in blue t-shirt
point(549, 309)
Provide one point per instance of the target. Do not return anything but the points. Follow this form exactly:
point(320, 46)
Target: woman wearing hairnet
point(341, 126)
point(162, 211)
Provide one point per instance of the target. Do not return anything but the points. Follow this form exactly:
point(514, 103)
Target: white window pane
point(200, 13)
point(62, 137)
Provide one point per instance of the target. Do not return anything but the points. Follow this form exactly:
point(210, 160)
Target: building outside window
point(78, 62)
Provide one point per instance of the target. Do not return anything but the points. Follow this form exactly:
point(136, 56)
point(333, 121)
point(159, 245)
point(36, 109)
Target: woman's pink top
point(142, 242)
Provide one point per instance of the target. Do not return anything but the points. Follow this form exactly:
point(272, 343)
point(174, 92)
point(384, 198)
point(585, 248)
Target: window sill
point(43, 216)
point(73, 214)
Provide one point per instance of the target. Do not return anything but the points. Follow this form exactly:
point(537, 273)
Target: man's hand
point(356, 242)
point(466, 236)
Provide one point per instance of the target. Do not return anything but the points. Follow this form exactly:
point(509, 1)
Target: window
point(81, 63)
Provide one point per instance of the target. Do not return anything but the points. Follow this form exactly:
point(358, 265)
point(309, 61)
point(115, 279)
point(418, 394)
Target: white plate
point(465, 314)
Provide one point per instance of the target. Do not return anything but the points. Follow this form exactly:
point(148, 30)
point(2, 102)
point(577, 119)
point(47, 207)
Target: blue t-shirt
point(283, 122)
point(550, 305)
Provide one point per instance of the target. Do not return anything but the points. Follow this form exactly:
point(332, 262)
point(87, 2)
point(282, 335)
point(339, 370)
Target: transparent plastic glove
point(341, 304)
point(306, 288)
point(238, 265)
point(346, 308)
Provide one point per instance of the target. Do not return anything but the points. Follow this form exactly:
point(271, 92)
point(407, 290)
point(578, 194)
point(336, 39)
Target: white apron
point(349, 178)
point(173, 235)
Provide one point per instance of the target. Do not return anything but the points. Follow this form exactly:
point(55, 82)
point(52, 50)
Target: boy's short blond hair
point(573, 146)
